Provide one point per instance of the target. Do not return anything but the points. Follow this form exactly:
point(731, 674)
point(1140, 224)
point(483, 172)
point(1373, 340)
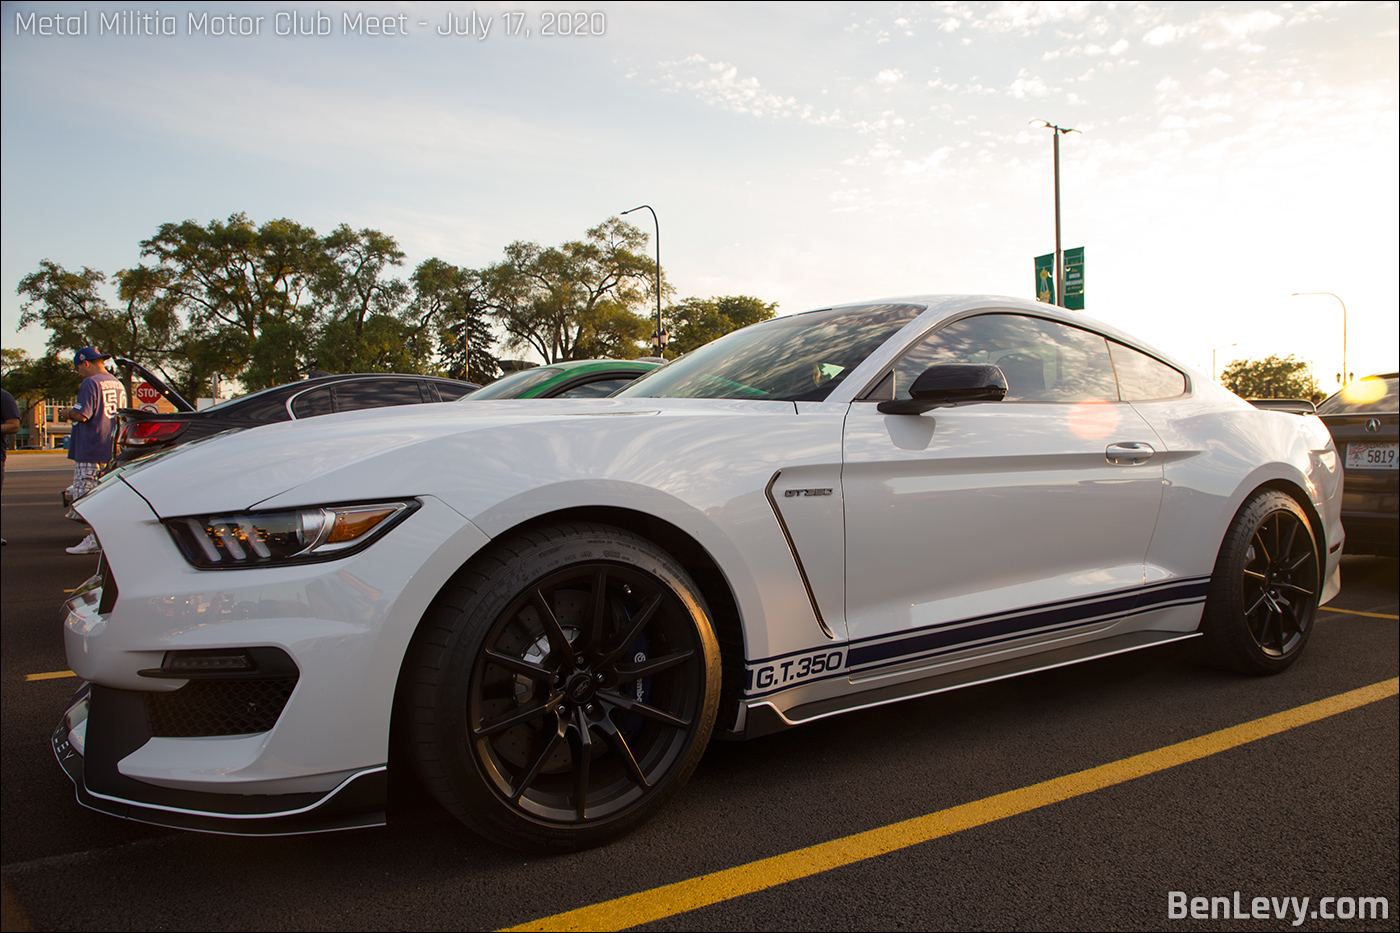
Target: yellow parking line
point(672, 899)
point(50, 675)
point(1357, 612)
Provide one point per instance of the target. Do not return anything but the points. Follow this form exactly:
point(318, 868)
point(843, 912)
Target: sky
point(1227, 156)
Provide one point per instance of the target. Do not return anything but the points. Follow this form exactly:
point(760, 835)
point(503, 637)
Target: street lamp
point(1342, 380)
point(1059, 253)
point(657, 224)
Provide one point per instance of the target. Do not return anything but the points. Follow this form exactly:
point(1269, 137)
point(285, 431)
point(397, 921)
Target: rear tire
point(564, 688)
point(1265, 586)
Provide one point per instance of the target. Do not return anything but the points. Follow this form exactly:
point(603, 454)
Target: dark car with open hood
point(141, 433)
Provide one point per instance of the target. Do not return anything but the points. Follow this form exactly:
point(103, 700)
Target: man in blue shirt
point(94, 417)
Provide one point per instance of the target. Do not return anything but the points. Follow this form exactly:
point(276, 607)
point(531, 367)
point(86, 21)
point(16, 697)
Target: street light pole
point(1058, 131)
point(657, 224)
point(1344, 380)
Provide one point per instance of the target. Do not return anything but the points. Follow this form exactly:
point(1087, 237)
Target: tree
point(575, 300)
point(450, 303)
point(11, 359)
point(47, 377)
point(149, 321)
point(201, 356)
point(144, 326)
point(1271, 377)
point(67, 303)
point(696, 321)
point(254, 281)
point(353, 280)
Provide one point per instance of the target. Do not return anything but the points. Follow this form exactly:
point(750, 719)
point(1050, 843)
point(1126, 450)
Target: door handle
point(1129, 452)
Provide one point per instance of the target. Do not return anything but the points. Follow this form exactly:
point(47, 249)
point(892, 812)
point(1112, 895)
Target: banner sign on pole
point(1074, 278)
point(1045, 278)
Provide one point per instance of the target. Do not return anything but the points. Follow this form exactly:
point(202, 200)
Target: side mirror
point(944, 384)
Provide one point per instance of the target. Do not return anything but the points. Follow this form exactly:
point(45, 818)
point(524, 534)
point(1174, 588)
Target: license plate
point(1373, 456)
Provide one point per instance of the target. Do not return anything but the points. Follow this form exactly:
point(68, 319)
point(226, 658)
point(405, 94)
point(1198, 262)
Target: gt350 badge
point(790, 493)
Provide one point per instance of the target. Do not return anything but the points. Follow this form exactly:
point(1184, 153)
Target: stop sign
point(147, 394)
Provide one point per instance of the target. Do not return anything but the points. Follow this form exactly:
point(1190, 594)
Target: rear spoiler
point(1298, 406)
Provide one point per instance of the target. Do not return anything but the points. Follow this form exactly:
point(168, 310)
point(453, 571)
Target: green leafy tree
point(354, 280)
point(279, 353)
point(696, 321)
point(380, 344)
point(11, 358)
point(32, 381)
point(143, 325)
point(450, 303)
point(257, 281)
point(200, 357)
point(613, 331)
point(1271, 377)
point(576, 300)
point(68, 304)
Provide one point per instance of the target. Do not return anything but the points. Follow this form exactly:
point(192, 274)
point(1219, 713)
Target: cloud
point(1027, 17)
point(719, 84)
point(1027, 86)
point(1162, 35)
point(1229, 29)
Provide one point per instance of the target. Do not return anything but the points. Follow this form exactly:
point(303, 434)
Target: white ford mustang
point(555, 604)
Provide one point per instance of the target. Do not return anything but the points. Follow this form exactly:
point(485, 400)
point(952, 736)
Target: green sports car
point(569, 379)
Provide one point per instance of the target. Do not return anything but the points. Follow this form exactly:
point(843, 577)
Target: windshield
point(802, 357)
point(515, 384)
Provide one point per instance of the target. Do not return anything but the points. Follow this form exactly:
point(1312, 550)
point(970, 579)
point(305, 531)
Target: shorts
point(85, 477)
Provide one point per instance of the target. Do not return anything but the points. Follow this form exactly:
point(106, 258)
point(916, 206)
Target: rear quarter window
point(1142, 378)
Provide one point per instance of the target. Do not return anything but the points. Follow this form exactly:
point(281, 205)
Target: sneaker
point(88, 545)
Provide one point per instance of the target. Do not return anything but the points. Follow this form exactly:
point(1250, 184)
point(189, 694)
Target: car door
point(975, 528)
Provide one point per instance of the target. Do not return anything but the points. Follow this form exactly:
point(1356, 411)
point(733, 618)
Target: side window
point(263, 410)
point(1142, 378)
point(313, 403)
point(450, 392)
point(1043, 361)
point(380, 393)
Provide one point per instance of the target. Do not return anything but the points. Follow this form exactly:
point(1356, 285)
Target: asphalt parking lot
point(1111, 795)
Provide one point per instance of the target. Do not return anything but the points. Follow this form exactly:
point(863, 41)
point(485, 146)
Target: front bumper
point(296, 743)
point(102, 726)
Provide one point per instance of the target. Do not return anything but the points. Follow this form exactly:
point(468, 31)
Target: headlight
point(258, 539)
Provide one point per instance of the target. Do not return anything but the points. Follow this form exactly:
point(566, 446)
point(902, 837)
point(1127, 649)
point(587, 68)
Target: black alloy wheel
point(1264, 592)
point(579, 690)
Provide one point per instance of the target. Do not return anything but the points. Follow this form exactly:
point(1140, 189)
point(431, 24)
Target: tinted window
point(1142, 378)
point(451, 391)
point(797, 358)
point(313, 403)
point(377, 393)
point(263, 405)
point(1043, 361)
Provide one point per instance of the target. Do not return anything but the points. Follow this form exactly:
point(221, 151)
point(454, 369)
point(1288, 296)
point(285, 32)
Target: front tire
point(564, 687)
point(1264, 590)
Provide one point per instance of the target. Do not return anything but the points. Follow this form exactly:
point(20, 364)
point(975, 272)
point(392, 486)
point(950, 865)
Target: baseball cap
point(88, 354)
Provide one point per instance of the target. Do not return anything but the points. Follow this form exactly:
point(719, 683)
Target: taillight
point(146, 433)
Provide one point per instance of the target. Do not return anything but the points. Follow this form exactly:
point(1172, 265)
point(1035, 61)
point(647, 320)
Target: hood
point(396, 452)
